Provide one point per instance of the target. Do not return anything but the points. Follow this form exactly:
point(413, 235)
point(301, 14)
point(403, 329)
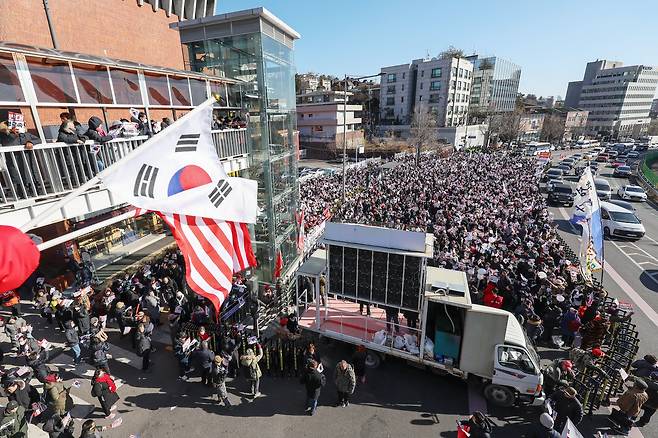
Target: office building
point(439, 85)
point(617, 97)
point(320, 124)
point(495, 84)
point(654, 109)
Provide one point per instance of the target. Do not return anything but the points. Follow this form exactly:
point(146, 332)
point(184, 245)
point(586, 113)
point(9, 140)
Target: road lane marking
point(627, 288)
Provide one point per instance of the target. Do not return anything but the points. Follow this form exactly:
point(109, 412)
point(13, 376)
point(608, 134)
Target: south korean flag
point(178, 171)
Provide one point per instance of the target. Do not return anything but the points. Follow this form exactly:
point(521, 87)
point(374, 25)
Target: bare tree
point(552, 130)
point(423, 130)
point(506, 125)
point(451, 52)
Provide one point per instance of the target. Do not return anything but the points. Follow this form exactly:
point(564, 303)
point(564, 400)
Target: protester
point(250, 361)
point(478, 425)
point(21, 392)
point(58, 427)
point(14, 423)
point(91, 430)
point(104, 388)
point(650, 406)
point(313, 380)
point(545, 428)
point(566, 405)
point(218, 379)
point(206, 357)
point(73, 341)
point(57, 394)
point(630, 403)
point(345, 380)
point(143, 345)
point(646, 366)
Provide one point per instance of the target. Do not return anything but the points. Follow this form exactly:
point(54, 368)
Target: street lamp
point(345, 126)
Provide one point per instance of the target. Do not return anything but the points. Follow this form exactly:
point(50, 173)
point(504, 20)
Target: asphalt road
point(631, 267)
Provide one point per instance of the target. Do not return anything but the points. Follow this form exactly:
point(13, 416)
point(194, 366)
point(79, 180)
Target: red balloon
point(19, 257)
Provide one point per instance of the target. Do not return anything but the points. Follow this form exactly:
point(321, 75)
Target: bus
point(586, 144)
point(536, 148)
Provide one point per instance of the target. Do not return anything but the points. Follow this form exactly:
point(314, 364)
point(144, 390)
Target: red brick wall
point(115, 28)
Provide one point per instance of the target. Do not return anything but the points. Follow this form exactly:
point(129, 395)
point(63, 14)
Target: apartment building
point(618, 97)
point(439, 85)
point(321, 127)
point(495, 84)
point(310, 82)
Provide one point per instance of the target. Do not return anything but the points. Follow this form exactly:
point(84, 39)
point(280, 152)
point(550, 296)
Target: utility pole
point(344, 136)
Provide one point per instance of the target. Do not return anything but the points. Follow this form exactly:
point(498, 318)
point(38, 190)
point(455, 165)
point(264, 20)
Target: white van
point(619, 222)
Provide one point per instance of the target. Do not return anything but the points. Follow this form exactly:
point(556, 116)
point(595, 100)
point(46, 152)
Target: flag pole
point(34, 222)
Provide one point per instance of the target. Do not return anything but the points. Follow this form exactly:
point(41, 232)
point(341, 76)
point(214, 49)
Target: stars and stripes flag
point(178, 175)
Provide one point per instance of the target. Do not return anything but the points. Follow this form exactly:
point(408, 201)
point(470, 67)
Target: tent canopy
point(315, 265)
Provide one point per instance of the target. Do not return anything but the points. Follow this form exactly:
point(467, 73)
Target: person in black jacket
point(143, 345)
point(104, 388)
point(68, 134)
point(478, 425)
point(313, 380)
point(96, 132)
point(73, 341)
point(21, 392)
point(566, 405)
point(205, 356)
point(57, 429)
point(143, 124)
point(37, 361)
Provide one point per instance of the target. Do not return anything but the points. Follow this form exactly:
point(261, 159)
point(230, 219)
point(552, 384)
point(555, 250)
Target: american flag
point(213, 250)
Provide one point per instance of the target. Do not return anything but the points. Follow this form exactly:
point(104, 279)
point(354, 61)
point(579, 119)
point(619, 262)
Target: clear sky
point(550, 39)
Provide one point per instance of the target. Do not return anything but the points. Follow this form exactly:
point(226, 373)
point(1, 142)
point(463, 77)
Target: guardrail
point(54, 169)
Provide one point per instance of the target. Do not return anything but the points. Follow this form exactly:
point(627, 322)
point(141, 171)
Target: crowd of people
point(490, 220)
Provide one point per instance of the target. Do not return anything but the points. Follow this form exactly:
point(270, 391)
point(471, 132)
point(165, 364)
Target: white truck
point(465, 340)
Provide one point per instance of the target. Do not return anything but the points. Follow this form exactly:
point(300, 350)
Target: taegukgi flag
point(178, 171)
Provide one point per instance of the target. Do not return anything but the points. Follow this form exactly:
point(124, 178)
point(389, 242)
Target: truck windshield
point(531, 350)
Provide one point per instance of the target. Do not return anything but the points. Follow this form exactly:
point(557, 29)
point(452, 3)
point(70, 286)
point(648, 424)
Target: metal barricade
point(230, 142)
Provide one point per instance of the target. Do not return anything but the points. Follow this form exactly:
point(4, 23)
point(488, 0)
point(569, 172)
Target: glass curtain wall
point(268, 102)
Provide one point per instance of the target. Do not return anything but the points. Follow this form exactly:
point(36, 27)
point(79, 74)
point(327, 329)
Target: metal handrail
point(53, 169)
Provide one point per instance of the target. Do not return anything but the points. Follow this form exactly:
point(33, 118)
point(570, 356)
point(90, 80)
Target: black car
point(562, 194)
point(623, 171)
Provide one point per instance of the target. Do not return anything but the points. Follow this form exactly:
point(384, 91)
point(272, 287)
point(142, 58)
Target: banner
point(587, 214)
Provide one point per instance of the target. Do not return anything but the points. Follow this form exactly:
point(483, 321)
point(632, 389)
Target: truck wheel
point(499, 395)
point(373, 360)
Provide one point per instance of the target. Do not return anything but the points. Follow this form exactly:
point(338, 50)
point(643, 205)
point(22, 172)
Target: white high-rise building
point(438, 85)
point(617, 97)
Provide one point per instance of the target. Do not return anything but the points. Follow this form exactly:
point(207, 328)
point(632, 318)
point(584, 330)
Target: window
point(402, 87)
point(420, 98)
point(422, 73)
point(180, 91)
point(390, 101)
point(436, 72)
point(454, 71)
point(434, 98)
point(421, 85)
point(199, 92)
point(403, 75)
point(93, 83)
point(310, 115)
point(459, 85)
point(391, 77)
point(126, 87)
point(435, 85)
point(461, 72)
point(390, 89)
point(52, 80)
point(318, 128)
point(157, 88)
point(402, 99)
point(10, 87)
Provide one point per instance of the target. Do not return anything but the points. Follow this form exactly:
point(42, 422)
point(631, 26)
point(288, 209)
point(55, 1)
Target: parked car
point(617, 162)
point(564, 168)
point(619, 222)
point(603, 189)
point(632, 193)
point(561, 194)
point(623, 171)
point(633, 154)
point(602, 158)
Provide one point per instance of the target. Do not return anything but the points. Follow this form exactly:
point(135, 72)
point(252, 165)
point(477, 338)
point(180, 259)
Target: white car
point(619, 222)
point(632, 193)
